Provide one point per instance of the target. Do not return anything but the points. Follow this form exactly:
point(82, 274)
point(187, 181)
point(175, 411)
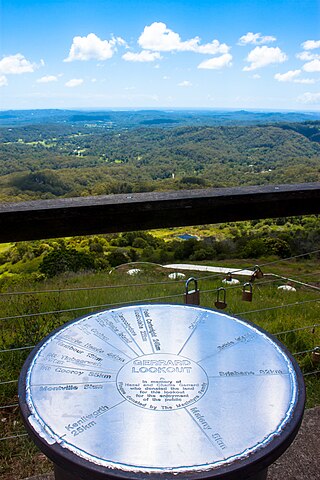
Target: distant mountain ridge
point(165, 118)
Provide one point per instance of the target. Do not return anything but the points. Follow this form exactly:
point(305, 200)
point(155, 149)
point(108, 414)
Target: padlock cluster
point(192, 297)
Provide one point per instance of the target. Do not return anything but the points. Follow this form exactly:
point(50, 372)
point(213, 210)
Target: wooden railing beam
point(144, 211)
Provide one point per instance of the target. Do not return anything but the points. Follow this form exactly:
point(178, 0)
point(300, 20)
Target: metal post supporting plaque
point(161, 392)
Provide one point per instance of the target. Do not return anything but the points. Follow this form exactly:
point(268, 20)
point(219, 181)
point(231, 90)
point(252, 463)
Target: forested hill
point(49, 160)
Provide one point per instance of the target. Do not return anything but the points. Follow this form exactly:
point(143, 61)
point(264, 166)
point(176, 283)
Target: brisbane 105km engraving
point(168, 388)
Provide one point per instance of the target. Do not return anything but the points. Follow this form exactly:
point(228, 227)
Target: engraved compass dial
point(168, 388)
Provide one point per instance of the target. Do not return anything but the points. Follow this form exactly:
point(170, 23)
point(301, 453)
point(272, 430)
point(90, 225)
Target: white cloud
point(310, 44)
point(157, 37)
point(47, 79)
point(307, 81)
point(213, 48)
point(288, 76)
point(256, 76)
point(121, 42)
point(291, 76)
point(313, 66)
point(16, 64)
point(92, 47)
point(3, 81)
point(307, 56)
point(310, 98)
point(160, 38)
point(144, 56)
point(263, 56)
point(255, 39)
point(75, 82)
point(217, 63)
point(185, 83)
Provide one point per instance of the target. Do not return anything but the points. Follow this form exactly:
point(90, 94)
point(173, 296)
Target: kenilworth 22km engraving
point(169, 387)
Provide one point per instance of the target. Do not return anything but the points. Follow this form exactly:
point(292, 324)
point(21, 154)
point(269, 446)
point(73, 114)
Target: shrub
point(118, 257)
point(63, 260)
point(139, 243)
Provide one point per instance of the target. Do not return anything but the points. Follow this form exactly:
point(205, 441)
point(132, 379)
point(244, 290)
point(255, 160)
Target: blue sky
point(253, 54)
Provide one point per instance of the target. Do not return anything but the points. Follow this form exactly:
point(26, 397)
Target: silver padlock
point(229, 277)
point(221, 304)
point(247, 292)
point(192, 297)
point(316, 355)
point(258, 272)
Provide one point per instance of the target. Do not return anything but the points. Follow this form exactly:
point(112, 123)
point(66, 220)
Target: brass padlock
point(221, 304)
point(247, 292)
point(192, 297)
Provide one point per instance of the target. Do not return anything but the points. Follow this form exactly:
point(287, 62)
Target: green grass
point(19, 458)
point(4, 247)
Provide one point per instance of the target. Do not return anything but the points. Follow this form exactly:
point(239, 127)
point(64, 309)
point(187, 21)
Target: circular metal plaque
point(160, 388)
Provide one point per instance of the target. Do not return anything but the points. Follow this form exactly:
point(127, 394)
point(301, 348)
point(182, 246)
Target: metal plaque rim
point(256, 461)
